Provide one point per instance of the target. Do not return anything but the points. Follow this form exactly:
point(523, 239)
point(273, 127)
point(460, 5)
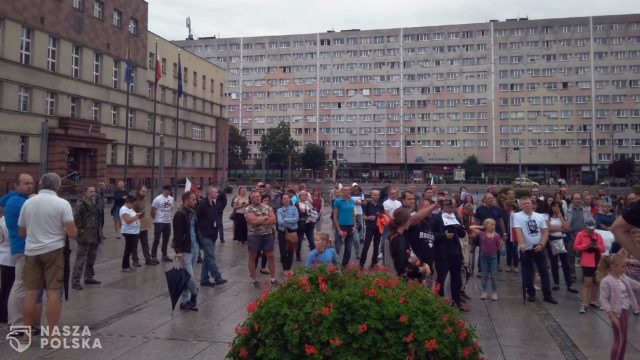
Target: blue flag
point(179, 77)
point(128, 70)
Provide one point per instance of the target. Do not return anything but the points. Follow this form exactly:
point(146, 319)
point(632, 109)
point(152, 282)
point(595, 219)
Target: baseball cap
point(354, 184)
point(590, 224)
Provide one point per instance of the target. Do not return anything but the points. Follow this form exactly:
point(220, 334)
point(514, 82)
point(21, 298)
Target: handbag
point(291, 238)
point(557, 246)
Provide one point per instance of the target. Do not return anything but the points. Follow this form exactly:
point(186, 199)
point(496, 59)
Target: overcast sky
point(232, 18)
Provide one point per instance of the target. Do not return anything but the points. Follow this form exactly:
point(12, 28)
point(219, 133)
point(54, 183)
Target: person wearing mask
point(87, 220)
point(532, 233)
point(161, 215)
point(287, 217)
point(207, 214)
point(12, 203)
point(186, 244)
point(371, 212)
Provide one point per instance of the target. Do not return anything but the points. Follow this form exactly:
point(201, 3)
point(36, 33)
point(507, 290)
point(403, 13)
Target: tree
point(472, 167)
point(238, 147)
point(277, 145)
point(313, 157)
point(622, 168)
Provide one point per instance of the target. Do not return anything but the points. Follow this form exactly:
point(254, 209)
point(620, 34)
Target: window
point(95, 111)
point(131, 118)
point(24, 148)
point(74, 105)
point(77, 4)
point(25, 46)
point(50, 103)
point(133, 26)
point(117, 18)
point(115, 74)
point(23, 98)
point(114, 115)
point(75, 61)
point(197, 132)
point(52, 53)
point(98, 9)
point(97, 60)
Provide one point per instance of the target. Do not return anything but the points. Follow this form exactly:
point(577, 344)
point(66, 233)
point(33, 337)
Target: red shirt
point(582, 243)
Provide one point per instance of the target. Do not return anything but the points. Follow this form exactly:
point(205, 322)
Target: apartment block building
point(437, 94)
point(63, 63)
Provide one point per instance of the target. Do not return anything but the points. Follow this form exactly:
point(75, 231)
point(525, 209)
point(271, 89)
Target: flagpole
point(175, 157)
point(153, 146)
point(127, 111)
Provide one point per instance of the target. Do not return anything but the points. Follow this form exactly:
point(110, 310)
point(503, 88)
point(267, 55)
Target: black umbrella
point(524, 271)
point(67, 267)
point(177, 279)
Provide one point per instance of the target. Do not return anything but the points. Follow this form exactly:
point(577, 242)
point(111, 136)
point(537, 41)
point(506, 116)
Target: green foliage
point(472, 167)
point(325, 313)
point(238, 147)
point(277, 145)
point(623, 167)
point(313, 157)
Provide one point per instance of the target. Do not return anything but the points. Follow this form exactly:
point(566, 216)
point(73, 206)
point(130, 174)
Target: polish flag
point(158, 69)
point(188, 186)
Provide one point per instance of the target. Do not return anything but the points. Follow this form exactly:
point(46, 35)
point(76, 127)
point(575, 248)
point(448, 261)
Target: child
point(616, 297)
point(490, 244)
point(323, 253)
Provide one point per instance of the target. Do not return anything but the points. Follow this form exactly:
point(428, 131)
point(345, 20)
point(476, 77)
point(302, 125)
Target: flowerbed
point(328, 313)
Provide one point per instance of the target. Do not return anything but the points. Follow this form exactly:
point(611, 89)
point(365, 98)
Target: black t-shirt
point(493, 212)
point(422, 240)
point(632, 214)
point(400, 252)
point(118, 197)
point(370, 209)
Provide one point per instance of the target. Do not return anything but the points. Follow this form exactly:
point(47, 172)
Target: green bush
point(324, 313)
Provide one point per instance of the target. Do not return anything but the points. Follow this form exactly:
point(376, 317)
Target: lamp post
point(517, 148)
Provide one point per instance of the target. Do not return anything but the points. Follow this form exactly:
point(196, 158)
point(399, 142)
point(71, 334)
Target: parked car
point(520, 182)
point(614, 182)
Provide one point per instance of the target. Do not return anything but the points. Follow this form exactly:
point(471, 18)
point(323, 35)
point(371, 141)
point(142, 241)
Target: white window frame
point(97, 65)
point(95, 111)
point(98, 9)
point(117, 18)
point(50, 103)
point(115, 74)
point(77, 4)
point(23, 98)
point(25, 45)
point(52, 53)
point(76, 53)
point(114, 115)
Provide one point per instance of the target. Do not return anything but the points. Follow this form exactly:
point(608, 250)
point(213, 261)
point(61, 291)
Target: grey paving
point(130, 314)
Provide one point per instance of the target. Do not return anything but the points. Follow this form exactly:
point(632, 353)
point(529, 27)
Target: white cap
point(354, 184)
point(340, 186)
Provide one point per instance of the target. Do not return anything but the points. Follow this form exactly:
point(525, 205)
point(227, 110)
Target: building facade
point(63, 64)
point(435, 95)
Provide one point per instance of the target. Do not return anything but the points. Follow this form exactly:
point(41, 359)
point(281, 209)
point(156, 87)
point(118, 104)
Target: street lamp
point(517, 148)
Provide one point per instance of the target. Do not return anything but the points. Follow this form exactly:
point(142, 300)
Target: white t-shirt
point(163, 207)
point(531, 228)
point(359, 197)
point(626, 303)
point(391, 206)
point(44, 216)
point(5, 250)
point(134, 227)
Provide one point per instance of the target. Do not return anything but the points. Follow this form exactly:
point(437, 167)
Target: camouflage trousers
point(85, 258)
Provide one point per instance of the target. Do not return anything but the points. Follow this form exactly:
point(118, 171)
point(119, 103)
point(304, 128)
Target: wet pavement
point(130, 315)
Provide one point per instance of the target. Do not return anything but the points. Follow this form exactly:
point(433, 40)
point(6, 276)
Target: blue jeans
point(209, 261)
point(189, 263)
point(489, 264)
point(305, 230)
point(347, 243)
point(383, 239)
point(220, 227)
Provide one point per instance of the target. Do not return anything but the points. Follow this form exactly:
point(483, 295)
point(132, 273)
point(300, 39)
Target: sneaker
point(379, 256)
point(572, 289)
point(636, 313)
point(531, 298)
point(188, 306)
point(483, 296)
point(555, 287)
point(136, 264)
point(536, 287)
point(221, 281)
point(165, 258)
point(264, 271)
point(255, 284)
point(515, 269)
point(129, 270)
point(508, 269)
point(550, 300)
point(464, 295)
point(499, 268)
point(275, 283)
point(207, 283)
point(92, 282)
point(582, 309)
point(594, 306)
point(150, 262)
point(77, 287)
point(155, 259)
point(494, 297)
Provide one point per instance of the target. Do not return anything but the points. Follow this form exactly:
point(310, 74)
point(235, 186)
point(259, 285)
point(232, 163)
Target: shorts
point(588, 271)
point(257, 243)
point(44, 268)
point(115, 213)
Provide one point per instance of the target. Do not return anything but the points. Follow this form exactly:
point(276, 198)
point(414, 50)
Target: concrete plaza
point(130, 314)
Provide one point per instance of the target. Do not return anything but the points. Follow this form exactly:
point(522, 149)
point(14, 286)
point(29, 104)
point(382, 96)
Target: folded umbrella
point(524, 273)
point(67, 267)
point(177, 279)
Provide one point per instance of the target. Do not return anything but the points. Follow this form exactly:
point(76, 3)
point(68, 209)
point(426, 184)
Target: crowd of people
point(437, 237)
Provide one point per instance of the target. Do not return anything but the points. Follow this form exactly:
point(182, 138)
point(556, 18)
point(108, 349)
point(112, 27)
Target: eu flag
point(128, 71)
point(179, 77)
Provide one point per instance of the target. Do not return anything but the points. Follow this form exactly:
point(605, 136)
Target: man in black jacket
point(186, 243)
point(207, 214)
point(448, 253)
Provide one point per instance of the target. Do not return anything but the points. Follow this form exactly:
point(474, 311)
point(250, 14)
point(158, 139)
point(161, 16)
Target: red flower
point(403, 318)
point(401, 301)
point(411, 355)
point(475, 345)
point(331, 268)
point(409, 337)
point(244, 332)
point(430, 345)
point(445, 318)
point(466, 351)
point(461, 323)
point(362, 328)
point(265, 293)
point(295, 326)
point(463, 335)
point(335, 342)
point(255, 326)
point(237, 329)
point(244, 353)
point(323, 287)
point(252, 307)
point(436, 289)
point(310, 349)
point(448, 330)
point(327, 310)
